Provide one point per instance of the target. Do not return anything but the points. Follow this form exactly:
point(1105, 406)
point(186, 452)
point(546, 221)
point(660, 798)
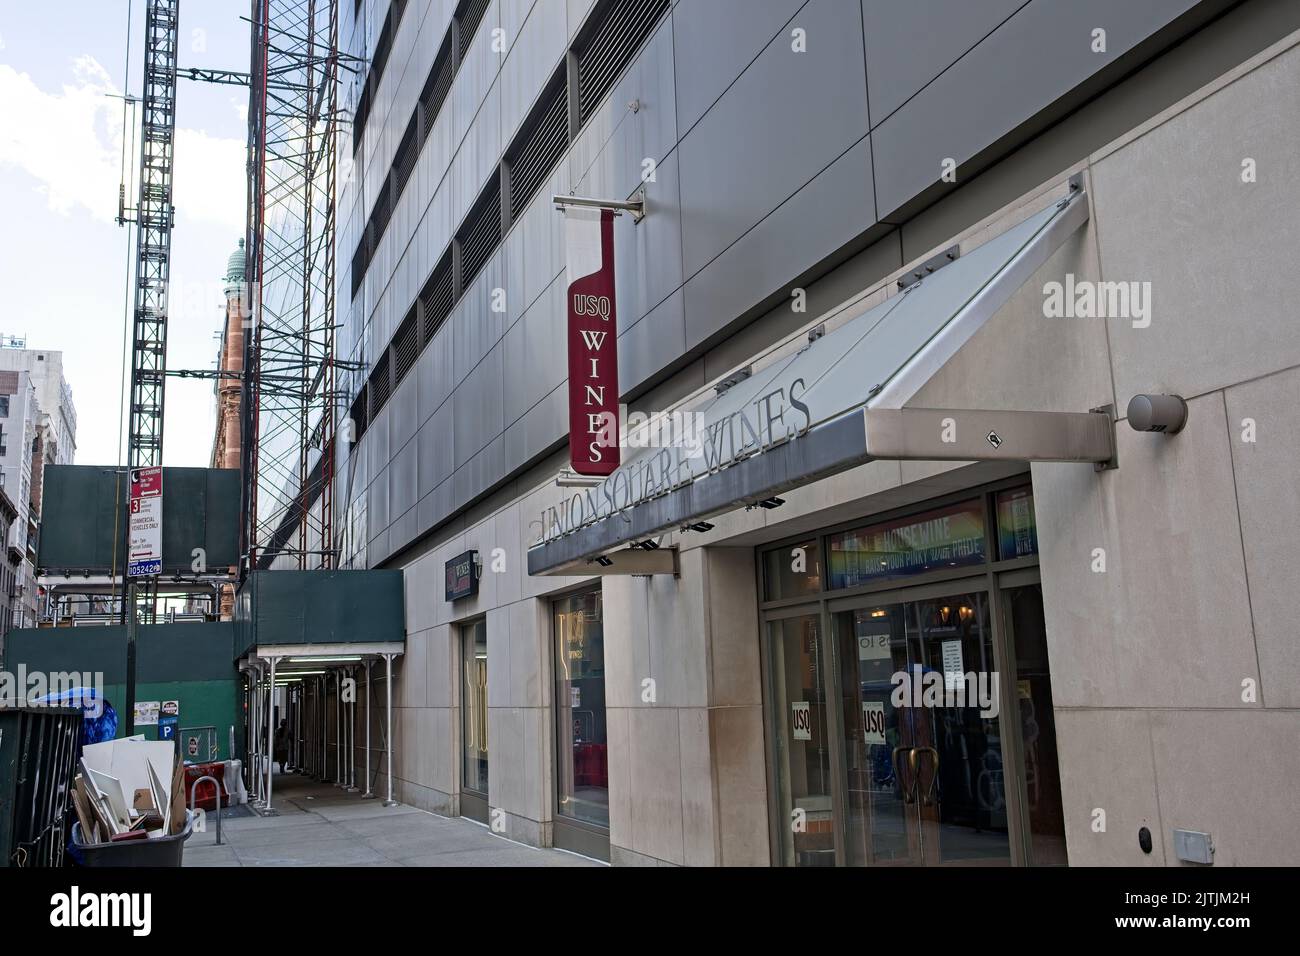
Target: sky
point(65, 264)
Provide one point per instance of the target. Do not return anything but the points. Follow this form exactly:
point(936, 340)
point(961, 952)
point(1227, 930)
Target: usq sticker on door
point(802, 720)
point(873, 722)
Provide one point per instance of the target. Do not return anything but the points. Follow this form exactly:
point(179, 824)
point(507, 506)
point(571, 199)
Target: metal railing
point(39, 747)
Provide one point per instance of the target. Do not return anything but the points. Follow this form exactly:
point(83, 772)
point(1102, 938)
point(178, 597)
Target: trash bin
point(159, 851)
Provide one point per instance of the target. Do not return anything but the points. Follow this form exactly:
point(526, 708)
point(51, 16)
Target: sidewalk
point(320, 825)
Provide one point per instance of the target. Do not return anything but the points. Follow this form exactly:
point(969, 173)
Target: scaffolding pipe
point(369, 701)
point(270, 732)
point(352, 735)
point(338, 730)
point(388, 664)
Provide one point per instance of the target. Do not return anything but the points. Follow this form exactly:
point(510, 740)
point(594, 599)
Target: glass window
point(1037, 725)
point(806, 819)
point(474, 706)
point(1017, 527)
point(793, 571)
point(582, 770)
point(951, 536)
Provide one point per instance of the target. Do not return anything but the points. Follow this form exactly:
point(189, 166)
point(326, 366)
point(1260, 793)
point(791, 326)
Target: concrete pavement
point(320, 825)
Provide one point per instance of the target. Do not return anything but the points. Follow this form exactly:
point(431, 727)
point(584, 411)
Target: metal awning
point(835, 404)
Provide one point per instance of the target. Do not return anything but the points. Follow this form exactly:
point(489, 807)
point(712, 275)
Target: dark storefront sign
point(593, 341)
point(462, 576)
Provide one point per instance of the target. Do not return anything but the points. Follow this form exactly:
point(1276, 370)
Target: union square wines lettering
point(771, 419)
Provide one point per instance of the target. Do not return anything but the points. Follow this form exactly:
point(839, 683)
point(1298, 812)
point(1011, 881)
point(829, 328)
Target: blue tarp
point(100, 721)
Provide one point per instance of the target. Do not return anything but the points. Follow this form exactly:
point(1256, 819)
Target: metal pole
point(352, 735)
point(322, 687)
point(368, 795)
point(255, 754)
point(132, 626)
point(338, 730)
point(388, 663)
point(270, 733)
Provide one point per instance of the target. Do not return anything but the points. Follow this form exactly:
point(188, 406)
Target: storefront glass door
point(474, 720)
point(802, 741)
point(920, 698)
point(908, 694)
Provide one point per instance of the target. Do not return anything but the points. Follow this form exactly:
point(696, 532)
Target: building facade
point(22, 461)
point(227, 443)
point(227, 438)
point(58, 411)
point(9, 566)
point(733, 701)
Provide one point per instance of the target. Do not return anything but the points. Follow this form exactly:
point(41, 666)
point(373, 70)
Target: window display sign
point(873, 722)
point(953, 671)
point(462, 576)
point(802, 723)
point(952, 536)
point(1017, 526)
point(144, 557)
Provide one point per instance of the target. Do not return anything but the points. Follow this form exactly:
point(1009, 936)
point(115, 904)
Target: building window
point(947, 537)
point(1017, 527)
point(794, 571)
point(4, 406)
point(582, 766)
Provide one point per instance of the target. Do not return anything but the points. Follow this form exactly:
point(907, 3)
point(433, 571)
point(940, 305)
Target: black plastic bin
point(160, 851)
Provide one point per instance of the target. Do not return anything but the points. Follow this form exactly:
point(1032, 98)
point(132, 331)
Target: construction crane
point(154, 217)
point(289, 385)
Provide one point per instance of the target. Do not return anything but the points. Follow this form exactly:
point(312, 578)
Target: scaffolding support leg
point(369, 700)
point(270, 733)
point(388, 664)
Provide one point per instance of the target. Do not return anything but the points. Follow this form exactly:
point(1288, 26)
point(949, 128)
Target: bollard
point(217, 789)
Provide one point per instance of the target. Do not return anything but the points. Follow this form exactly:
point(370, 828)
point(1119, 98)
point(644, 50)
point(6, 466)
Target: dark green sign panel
point(82, 514)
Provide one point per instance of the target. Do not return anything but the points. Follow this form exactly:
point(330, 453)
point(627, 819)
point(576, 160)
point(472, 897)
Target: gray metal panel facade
point(768, 166)
point(909, 44)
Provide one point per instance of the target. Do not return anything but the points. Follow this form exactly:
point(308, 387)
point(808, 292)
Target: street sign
point(167, 727)
point(144, 552)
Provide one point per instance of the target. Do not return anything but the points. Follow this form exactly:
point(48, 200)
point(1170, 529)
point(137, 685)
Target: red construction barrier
point(204, 796)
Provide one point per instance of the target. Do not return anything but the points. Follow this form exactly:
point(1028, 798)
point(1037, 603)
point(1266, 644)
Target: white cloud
point(71, 143)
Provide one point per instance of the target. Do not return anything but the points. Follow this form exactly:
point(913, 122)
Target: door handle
point(928, 799)
point(909, 793)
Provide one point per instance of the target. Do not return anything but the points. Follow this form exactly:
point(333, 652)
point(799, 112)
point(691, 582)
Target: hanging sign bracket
point(635, 205)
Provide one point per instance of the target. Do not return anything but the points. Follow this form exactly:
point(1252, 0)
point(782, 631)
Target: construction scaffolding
point(291, 397)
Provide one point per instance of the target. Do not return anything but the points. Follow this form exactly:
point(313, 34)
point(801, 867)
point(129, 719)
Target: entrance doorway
point(923, 752)
point(910, 717)
point(474, 721)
